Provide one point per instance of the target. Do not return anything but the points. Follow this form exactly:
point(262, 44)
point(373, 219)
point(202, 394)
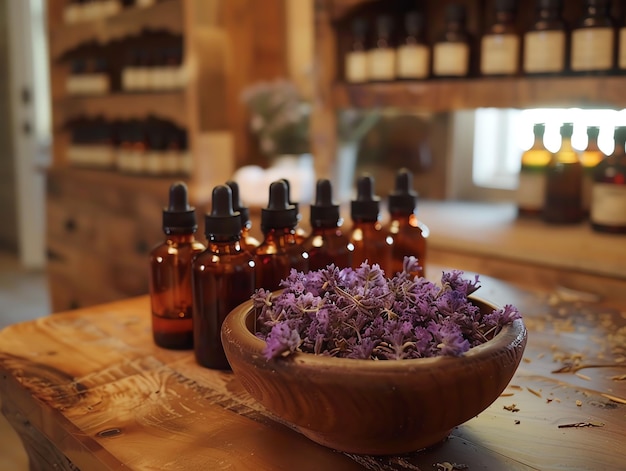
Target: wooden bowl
point(367, 406)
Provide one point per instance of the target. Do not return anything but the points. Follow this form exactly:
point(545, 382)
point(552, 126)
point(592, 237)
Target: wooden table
point(88, 389)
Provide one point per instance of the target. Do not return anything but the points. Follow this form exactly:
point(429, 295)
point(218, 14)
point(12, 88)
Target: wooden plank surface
point(93, 383)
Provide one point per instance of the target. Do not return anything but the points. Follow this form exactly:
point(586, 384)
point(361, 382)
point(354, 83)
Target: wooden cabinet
point(332, 32)
point(102, 223)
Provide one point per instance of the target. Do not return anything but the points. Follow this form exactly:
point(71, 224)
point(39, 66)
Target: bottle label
point(544, 51)
point(356, 67)
point(413, 61)
point(499, 54)
point(622, 49)
point(592, 49)
point(608, 204)
point(531, 190)
point(450, 59)
point(381, 64)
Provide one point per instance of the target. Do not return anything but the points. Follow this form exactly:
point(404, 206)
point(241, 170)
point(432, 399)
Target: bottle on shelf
point(589, 158)
point(222, 277)
point(171, 296)
point(500, 45)
point(371, 242)
point(608, 194)
point(531, 190)
point(564, 178)
point(355, 66)
point(546, 40)
point(413, 52)
point(89, 74)
point(279, 250)
point(452, 51)
point(327, 243)
point(248, 241)
point(408, 232)
point(593, 40)
point(381, 56)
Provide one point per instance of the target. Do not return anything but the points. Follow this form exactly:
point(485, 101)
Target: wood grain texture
point(95, 385)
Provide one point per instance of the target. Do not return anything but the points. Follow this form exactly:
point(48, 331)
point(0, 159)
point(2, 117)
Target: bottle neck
point(181, 238)
point(225, 247)
point(548, 14)
point(504, 17)
point(280, 236)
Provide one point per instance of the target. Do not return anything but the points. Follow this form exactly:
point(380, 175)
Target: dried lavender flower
point(359, 313)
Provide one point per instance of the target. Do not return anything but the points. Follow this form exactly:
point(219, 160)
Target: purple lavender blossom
point(359, 313)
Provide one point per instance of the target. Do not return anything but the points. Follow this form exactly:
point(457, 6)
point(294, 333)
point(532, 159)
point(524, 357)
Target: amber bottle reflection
point(223, 278)
point(408, 232)
point(564, 178)
point(279, 251)
point(170, 273)
point(367, 235)
point(327, 243)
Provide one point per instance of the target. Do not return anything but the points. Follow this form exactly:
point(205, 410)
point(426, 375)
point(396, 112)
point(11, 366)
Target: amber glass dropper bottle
point(409, 233)
point(279, 251)
point(248, 242)
point(327, 243)
point(170, 273)
point(223, 278)
point(367, 235)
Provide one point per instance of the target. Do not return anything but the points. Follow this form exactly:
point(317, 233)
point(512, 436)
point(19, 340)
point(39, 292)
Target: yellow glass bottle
point(530, 192)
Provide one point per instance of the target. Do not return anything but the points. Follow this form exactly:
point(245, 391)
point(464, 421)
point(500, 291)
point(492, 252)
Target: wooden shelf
point(450, 95)
point(165, 14)
point(168, 105)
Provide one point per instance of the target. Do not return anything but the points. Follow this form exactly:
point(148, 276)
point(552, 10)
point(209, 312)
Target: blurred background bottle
point(564, 177)
point(608, 194)
point(545, 40)
point(500, 45)
point(413, 52)
point(531, 190)
point(593, 40)
point(381, 56)
point(452, 51)
point(355, 66)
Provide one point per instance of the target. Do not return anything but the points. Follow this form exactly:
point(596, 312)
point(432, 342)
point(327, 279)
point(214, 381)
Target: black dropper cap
point(549, 4)
point(237, 204)
point(222, 221)
point(279, 212)
point(366, 207)
point(324, 213)
point(179, 217)
point(295, 203)
point(403, 199)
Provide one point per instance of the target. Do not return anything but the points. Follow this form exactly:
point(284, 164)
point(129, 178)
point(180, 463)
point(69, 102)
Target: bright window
point(500, 137)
